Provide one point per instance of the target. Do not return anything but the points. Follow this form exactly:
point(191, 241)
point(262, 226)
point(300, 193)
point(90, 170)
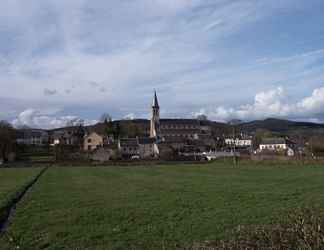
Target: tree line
point(7, 140)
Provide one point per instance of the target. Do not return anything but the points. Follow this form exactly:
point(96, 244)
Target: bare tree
point(75, 122)
point(105, 117)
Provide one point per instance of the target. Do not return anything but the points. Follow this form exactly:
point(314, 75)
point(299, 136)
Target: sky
point(245, 59)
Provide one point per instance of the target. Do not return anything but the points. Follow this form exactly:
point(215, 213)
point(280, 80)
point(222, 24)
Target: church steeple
point(155, 103)
point(155, 118)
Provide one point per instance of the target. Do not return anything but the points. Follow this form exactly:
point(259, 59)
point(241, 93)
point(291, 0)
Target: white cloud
point(313, 104)
point(273, 103)
point(36, 119)
point(126, 48)
point(130, 116)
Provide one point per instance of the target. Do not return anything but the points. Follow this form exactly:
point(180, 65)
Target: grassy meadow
point(160, 207)
point(12, 180)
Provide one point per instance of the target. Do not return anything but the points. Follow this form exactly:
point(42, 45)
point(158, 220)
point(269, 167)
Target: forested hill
point(282, 126)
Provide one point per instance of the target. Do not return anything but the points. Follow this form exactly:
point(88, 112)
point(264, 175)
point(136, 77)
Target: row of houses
point(92, 139)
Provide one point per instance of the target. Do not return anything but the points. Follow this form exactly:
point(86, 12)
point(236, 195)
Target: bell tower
point(155, 118)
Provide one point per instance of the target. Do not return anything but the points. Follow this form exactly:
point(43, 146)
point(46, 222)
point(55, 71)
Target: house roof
point(271, 141)
point(174, 139)
point(93, 133)
point(180, 131)
point(180, 121)
point(129, 142)
point(146, 140)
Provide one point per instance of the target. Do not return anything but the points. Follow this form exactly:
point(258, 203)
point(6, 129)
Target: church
point(175, 129)
point(166, 135)
point(144, 138)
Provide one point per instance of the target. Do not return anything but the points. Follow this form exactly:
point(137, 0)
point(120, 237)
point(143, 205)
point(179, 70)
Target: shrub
point(302, 229)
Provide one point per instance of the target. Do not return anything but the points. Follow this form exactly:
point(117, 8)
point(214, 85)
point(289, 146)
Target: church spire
point(155, 103)
point(155, 118)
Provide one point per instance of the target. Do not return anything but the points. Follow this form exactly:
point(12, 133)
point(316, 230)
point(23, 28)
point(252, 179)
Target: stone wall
point(103, 154)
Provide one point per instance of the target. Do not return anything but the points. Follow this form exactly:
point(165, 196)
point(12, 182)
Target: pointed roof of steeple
point(155, 101)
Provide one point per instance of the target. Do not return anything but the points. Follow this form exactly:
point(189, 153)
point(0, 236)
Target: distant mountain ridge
point(271, 124)
point(279, 125)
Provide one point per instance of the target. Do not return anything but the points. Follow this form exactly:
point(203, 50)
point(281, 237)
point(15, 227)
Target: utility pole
point(234, 148)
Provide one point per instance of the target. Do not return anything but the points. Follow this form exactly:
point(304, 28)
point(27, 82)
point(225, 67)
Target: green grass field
point(156, 207)
point(11, 180)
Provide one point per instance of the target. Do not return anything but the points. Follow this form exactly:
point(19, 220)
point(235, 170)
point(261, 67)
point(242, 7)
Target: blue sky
point(249, 59)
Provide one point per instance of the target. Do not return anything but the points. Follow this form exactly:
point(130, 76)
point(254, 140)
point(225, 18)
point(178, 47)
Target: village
point(161, 125)
point(160, 139)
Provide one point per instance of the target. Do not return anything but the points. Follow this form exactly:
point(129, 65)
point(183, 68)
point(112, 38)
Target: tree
point(75, 122)
point(7, 139)
point(129, 129)
point(109, 127)
point(202, 117)
point(79, 134)
point(105, 117)
point(117, 131)
point(316, 144)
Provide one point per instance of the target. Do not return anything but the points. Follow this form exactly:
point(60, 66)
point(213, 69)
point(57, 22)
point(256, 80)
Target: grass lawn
point(12, 180)
point(157, 207)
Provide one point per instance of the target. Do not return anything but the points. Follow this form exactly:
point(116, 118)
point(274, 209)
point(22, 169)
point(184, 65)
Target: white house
point(277, 145)
point(238, 142)
point(273, 144)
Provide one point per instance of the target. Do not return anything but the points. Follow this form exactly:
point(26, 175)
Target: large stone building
point(169, 129)
point(159, 135)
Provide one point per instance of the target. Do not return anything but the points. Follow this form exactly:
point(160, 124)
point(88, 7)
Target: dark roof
point(174, 139)
point(129, 142)
point(94, 132)
point(180, 121)
point(146, 140)
point(205, 123)
point(179, 131)
point(268, 141)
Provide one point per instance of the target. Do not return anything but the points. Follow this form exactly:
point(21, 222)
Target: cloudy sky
point(246, 59)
